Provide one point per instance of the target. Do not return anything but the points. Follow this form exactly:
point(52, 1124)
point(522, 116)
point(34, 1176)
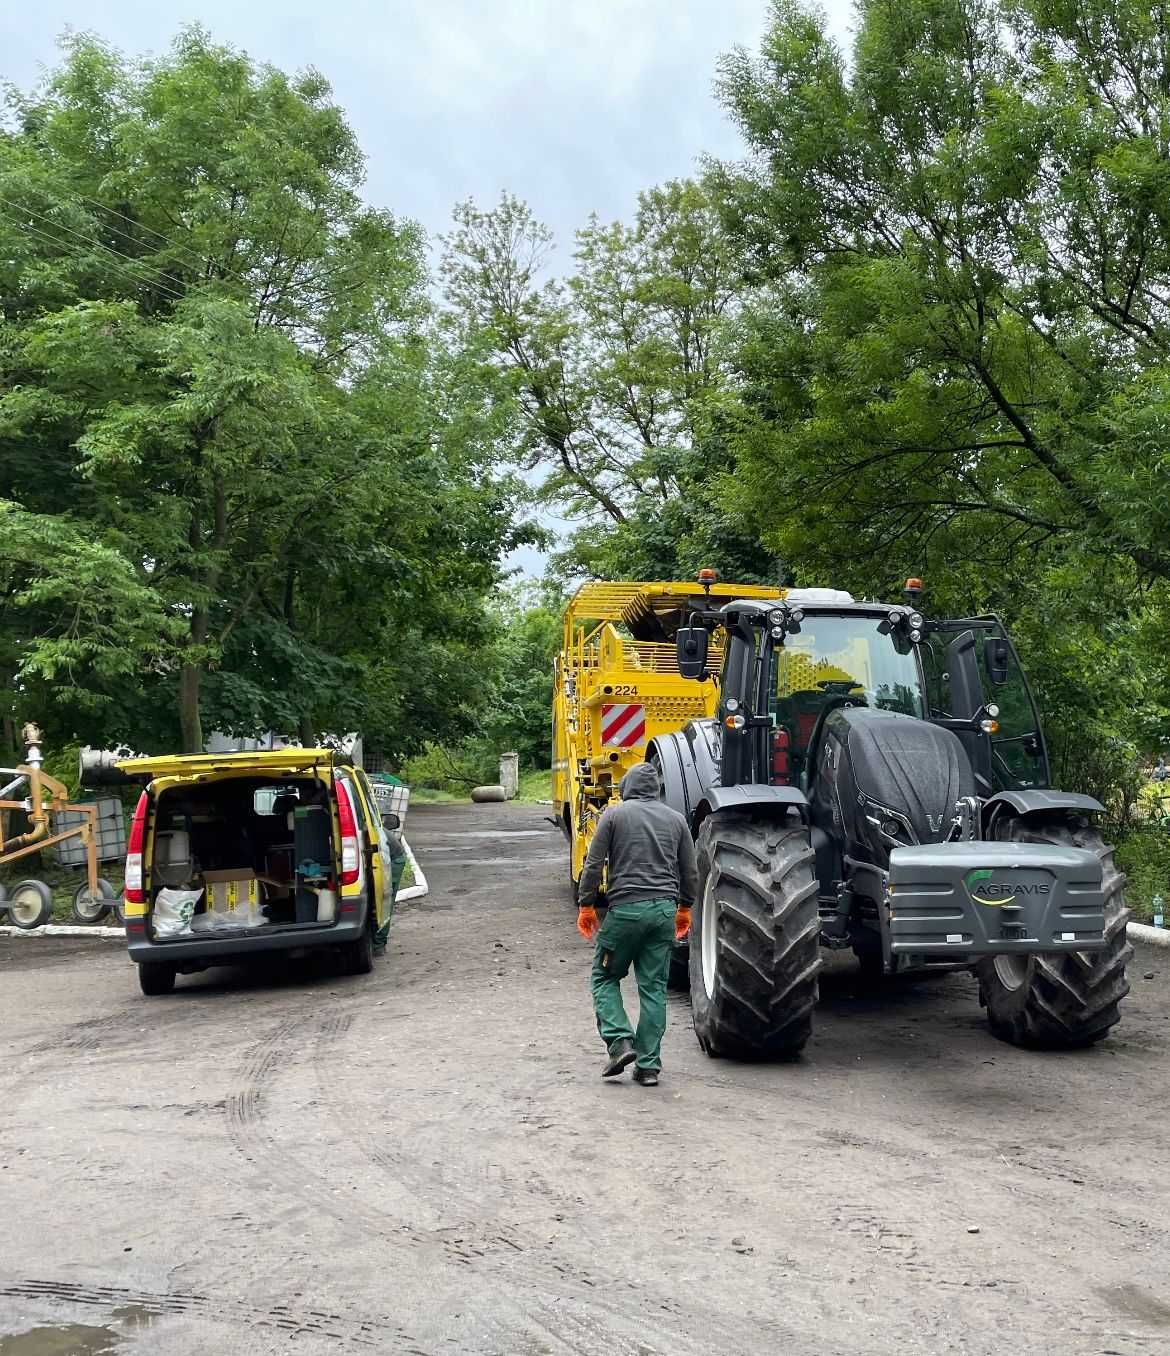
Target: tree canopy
point(242, 468)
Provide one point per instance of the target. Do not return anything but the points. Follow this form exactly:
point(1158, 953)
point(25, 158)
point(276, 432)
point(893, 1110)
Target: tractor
point(878, 780)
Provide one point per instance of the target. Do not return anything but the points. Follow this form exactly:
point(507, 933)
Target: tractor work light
point(915, 619)
point(895, 616)
point(796, 615)
point(992, 710)
point(776, 617)
point(732, 703)
point(916, 635)
point(777, 633)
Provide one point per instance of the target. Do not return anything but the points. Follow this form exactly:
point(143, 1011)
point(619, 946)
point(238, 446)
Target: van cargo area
point(241, 854)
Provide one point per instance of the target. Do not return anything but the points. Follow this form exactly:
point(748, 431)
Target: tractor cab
point(793, 661)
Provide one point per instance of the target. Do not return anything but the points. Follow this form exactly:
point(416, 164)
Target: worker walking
point(651, 886)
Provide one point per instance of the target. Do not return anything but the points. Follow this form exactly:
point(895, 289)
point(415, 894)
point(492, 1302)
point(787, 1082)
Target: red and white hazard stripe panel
point(623, 724)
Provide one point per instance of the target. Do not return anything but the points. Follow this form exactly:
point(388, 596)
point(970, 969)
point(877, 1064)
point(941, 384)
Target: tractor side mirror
point(996, 656)
point(692, 651)
point(390, 820)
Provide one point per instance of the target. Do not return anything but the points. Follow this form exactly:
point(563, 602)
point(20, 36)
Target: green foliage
point(618, 376)
point(952, 352)
point(1144, 856)
point(245, 482)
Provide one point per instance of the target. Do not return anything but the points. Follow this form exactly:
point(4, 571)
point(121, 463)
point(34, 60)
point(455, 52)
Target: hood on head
point(640, 783)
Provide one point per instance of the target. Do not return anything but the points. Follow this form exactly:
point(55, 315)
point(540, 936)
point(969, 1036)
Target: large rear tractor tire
point(1060, 1000)
point(755, 938)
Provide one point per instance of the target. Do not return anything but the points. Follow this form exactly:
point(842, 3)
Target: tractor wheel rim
point(25, 906)
point(1011, 971)
point(709, 939)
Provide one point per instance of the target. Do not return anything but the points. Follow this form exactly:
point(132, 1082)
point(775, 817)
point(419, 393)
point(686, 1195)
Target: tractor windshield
point(835, 661)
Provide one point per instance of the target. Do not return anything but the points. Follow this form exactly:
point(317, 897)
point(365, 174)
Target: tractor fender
point(777, 800)
point(1038, 802)
point(685, 765)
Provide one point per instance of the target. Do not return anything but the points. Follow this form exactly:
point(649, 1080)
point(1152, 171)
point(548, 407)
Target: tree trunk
point(190, 723)
point(308, 734)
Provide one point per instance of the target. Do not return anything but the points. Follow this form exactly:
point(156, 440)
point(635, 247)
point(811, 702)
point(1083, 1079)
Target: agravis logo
point(984, 889)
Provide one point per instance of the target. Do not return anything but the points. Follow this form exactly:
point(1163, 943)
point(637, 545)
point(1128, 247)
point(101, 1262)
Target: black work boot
point(647, 1077)
point(621, 1055)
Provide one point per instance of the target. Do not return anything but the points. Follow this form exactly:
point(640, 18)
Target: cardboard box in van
point(231, 891)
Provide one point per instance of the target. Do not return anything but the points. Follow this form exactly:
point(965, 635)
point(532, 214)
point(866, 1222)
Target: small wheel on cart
point(92, 908)
point(118, 909)
point(30, 904)
point(3, 900)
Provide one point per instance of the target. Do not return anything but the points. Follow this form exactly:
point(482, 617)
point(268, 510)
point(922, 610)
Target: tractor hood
point(878, 761)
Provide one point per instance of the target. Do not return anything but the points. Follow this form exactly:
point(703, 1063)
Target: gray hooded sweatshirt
point(647, 844)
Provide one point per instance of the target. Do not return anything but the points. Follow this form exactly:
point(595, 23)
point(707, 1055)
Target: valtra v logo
point(984, 889)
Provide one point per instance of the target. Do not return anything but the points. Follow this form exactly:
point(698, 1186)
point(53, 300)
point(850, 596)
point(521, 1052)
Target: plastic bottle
point(1158, 918)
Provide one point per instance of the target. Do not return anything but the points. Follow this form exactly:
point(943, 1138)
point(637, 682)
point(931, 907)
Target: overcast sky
point(573, 105)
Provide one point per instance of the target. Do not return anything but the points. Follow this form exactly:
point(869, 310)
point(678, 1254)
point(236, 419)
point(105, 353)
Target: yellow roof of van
point(196, 764)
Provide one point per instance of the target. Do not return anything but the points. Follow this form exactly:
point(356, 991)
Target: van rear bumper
point(230, 948)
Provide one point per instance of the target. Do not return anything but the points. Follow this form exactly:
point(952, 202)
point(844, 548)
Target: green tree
point(219, 364)
point(952, 347)
point(618, 373)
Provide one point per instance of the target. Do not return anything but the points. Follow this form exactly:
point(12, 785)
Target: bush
point(1144, 856)
point(455, 770)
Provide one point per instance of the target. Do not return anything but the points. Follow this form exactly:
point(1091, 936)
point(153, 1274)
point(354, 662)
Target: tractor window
point(1017, 748)
point(838, 661)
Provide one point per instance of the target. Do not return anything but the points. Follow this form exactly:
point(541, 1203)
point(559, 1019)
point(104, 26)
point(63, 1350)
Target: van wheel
point(155, 979)
point(357, 957)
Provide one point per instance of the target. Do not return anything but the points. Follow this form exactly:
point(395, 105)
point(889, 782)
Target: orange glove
point(588, 924)
point(682, 923)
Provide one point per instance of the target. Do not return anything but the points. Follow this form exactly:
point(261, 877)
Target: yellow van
point(236, 855)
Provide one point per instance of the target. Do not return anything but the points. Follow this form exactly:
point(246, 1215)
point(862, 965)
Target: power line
point(65, 244)
point(89, 240)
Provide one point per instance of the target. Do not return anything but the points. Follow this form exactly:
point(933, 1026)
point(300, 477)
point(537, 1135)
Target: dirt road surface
point(427, 1161)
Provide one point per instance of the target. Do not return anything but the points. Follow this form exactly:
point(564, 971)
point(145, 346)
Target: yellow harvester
point(616, 685)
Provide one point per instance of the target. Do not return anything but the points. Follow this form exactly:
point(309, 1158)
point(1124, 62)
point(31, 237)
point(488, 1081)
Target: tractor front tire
point(755, 938)
point(1061, 1000)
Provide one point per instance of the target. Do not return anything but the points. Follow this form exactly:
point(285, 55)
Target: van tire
point(155, 979)
point(357, 957)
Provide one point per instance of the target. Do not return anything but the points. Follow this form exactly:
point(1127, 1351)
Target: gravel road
point(426, 1160)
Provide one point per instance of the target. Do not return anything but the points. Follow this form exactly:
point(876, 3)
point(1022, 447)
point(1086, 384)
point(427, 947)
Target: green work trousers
point(639, 934)
point(382, 934)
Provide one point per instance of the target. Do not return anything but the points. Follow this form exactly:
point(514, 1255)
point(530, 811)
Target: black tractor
point(876, 779)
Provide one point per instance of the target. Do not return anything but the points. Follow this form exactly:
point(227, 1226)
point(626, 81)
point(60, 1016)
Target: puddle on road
point(67, 1339)
point(76, 1339)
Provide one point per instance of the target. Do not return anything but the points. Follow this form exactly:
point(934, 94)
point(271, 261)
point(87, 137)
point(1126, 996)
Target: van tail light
point(350, 850)
point(135, 894)
point(781, 769)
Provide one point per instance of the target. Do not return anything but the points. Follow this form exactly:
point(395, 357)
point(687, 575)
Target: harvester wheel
point(678, 975)
point(1060, 1000)
point(30, 904)
point(89, 908)
point(755, 950)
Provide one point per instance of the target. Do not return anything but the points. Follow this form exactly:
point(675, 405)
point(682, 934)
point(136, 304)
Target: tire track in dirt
point(297, 1321)
point(598, 1305)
